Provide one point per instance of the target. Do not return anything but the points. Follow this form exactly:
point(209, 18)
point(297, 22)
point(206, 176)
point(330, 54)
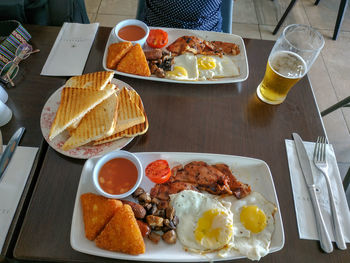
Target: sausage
point(153, 54)
point(144, 228)
point(169, 237)
point(139, 210)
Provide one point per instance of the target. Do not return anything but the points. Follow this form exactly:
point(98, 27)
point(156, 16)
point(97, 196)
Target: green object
point(44, 12)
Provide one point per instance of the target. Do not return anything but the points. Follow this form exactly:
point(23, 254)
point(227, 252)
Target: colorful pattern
point(193, 14)
point(9, 46)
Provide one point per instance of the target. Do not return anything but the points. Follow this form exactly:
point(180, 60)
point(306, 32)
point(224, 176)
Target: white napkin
point(71, 49)
point(12, 184)
point(303, 206)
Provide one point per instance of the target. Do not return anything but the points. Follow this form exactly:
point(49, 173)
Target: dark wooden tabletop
point(26, 100)
point(224, 119)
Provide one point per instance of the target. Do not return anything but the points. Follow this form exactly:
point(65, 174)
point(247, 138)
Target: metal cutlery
point(10, 149)
point(320, 162)
point(325, 240)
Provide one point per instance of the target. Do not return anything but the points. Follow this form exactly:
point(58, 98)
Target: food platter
point(252, 171)
point(240, 60)
point(83, 152)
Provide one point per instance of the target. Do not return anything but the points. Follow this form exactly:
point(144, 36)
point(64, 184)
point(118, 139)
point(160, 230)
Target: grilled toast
point(75, 103)
point(97, 80)
point(97, 123)
point(135, 130)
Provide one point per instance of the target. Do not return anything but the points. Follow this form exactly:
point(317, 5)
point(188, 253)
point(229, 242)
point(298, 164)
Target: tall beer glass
point(294, 52)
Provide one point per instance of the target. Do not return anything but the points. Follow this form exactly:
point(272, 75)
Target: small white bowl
point(129, 22)
point(112, 155)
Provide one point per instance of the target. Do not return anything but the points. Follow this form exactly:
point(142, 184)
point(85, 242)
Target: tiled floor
point(329, 75)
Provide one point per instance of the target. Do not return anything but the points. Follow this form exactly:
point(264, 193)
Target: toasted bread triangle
point(97, 80)
point(135, 130)
point(97, 123)
point(97, 211)
point(135, 62)
point(75, 103)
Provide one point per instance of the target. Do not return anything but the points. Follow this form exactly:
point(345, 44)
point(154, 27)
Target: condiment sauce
point(131, 33)
point(117, 176)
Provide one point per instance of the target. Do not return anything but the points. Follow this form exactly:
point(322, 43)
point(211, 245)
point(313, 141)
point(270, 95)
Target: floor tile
point(92, 17)
point(322, 84)
point(337, 56)
point(266, 32)
point(110, 20)
point(324, 15)
point(338, 135)
point(92, 5)
point(244, 12)
point(246, 30)
point(269, 12)
point(119, 7)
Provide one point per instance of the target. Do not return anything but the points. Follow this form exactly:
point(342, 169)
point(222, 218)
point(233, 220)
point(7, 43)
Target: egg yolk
point(178, 72)
point(253, 218)
point(206, 63)
point(212, 229)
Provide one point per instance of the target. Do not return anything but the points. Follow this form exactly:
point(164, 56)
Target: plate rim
point(188, 154)
point(219, 81)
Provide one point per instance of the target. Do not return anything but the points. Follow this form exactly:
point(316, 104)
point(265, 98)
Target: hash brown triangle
point(97, 212)
point(122, 233)
point(135, 62)
point(116, 52)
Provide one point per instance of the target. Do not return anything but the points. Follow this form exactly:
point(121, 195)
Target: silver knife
point(10, 149)
point(325, 240)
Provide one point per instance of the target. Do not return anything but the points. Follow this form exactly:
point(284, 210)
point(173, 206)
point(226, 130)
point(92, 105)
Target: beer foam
point(288, 64)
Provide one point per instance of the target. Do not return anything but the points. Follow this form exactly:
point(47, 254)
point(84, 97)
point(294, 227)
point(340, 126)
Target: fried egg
point(211, 67)
point(205, 223)
point(185, 68)
point(253, 224)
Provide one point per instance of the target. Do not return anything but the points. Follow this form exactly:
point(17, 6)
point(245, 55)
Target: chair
point(341, 11)
point(44, 12)
point(226, 13)
point(343, 103)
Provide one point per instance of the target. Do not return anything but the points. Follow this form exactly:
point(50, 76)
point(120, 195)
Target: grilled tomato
point(157, 38)
point(158, 171)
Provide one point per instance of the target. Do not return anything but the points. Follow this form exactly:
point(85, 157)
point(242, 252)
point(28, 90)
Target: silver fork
point(320, 162)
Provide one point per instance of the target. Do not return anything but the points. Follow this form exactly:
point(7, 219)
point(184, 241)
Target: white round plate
point(85, 151)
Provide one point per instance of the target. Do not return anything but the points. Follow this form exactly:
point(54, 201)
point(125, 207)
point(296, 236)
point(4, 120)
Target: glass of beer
point(294, 52)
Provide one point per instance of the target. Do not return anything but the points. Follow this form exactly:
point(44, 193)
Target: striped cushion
point(9, 46)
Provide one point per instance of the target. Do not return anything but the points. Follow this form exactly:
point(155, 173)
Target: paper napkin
point(12, 185)
point(71, 49)
point(303, 206)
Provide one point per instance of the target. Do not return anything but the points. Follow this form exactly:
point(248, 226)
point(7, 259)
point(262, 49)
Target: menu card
point(12, 184)
point(303, 206)
point(71, 50)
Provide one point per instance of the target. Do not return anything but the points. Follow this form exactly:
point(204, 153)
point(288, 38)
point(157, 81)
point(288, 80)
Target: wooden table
point(26, 101)
point(225, 119)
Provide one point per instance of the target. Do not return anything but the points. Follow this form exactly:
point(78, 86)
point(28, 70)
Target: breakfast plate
point(240, 60)
point(248, 170)
point(85, 151)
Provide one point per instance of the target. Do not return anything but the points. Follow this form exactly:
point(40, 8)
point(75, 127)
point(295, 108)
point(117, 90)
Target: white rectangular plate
point(240, 60)
point(252, 171)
